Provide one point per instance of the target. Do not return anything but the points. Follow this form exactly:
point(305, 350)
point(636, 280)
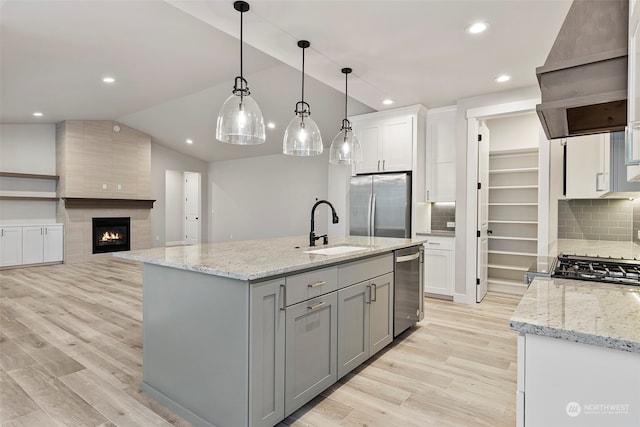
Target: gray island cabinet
point(245, 333)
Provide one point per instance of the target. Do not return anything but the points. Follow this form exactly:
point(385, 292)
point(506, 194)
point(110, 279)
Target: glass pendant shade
point(345, 148)
point(302, 137)
point(240, 121)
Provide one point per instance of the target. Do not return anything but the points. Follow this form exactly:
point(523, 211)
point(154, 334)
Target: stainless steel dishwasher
point(408, 295)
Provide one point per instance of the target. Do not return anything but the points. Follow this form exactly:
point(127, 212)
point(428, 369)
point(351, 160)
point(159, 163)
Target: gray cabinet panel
point(353, 332)
point(311, 284)
point(381, 308)
point(311, 349)
point(359, 271)
point(266, 349)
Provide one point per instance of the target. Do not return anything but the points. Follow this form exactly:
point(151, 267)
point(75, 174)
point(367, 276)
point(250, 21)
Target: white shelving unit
point(513, 218)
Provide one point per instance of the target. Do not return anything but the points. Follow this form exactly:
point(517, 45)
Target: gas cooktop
point(598, 269)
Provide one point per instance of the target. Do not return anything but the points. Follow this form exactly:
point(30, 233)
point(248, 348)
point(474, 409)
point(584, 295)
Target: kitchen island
point(578, 354)
point(244, 333)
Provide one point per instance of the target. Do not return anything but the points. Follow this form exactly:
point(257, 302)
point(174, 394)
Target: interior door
point(483, 212)
point(191, 208)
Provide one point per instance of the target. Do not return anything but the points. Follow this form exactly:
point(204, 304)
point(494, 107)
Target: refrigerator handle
point(369, 216)
point(373, 216)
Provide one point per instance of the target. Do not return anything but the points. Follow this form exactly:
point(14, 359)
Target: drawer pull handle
point(374, 292)
point(316, 306)
point(317, 284)
point(434, 243)
point(283, 297)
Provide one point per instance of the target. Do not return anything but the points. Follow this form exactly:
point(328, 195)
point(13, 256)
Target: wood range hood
point(583, 82)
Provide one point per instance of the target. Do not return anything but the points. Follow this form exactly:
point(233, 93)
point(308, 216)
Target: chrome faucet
point(312, 234)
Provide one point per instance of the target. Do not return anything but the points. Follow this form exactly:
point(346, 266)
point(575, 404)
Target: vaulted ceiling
point(174, 61)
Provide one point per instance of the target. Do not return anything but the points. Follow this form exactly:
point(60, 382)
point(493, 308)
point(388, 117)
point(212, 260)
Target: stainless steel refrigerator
point(380, 205)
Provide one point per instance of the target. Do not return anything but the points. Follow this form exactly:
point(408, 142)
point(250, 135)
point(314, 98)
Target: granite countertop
point(442, 233)
point(603, 248)
point(601, 314)
point(259, 259)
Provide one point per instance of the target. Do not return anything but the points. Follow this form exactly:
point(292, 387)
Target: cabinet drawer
point(301, 287)
point(440, 243)
point(359, 271)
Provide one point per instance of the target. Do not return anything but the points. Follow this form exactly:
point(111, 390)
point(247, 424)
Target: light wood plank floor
point(71, 354)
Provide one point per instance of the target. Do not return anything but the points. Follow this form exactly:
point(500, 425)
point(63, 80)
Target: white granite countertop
point(603, 248)
point(258, 259)
point(595, 313)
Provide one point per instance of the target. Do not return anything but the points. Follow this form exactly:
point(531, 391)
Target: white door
point(483, 211)
point(32, 244)
point(10, 246)
point(191, 208)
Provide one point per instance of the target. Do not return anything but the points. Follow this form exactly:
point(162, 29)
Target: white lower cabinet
point(365, 311)
point(10, 246)
point(439, 270)
point(42, 244)
point(31, 244)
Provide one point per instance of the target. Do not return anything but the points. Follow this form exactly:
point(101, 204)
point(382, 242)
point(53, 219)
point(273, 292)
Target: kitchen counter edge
point(533, 314)
point(191, 258)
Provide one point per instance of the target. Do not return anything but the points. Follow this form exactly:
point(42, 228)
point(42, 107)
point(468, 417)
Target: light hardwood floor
point(71, 354)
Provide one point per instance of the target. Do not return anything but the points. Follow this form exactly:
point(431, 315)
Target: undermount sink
point(336, 250)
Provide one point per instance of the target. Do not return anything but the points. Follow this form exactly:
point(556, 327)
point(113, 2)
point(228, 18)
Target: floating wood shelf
point(29, 175)
point(88, 203)
point(29, 198)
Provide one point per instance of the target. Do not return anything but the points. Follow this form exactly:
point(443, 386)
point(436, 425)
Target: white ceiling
point(175, 61)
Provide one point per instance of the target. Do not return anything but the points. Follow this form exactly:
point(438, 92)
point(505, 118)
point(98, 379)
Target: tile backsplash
point(441, 213)
point(598, 219)
point(636, 220)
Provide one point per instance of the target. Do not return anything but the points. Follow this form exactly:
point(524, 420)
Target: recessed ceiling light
point(503, 78)
point(387, 101)
point(477, 27)
point(37, 114)
point(189, 141)
point(108, 80)
point(271, 125)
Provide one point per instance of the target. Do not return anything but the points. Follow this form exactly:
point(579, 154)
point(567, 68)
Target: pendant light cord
point(303, 76)
point(346, 92)
point(241, 56)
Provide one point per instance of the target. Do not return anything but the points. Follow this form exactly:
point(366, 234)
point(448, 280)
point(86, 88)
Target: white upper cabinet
point(389, 139)
point(633, 87)
point(440, 163)
point(588, 166)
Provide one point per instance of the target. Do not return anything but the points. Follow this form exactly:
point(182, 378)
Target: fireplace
point(111, 234)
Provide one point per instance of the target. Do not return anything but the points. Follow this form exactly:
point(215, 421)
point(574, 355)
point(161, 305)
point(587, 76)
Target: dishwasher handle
point(406, 258)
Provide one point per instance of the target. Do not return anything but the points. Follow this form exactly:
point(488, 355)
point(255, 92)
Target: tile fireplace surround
point(101, 160)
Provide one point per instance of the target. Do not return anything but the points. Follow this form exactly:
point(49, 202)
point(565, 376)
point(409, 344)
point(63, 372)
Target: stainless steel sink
point(336, 250)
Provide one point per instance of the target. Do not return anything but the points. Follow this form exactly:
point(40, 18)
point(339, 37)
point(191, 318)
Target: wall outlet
point(119, 187)
point(104, 186)
point(452, 224)
point(639, 233)
point(157, 238)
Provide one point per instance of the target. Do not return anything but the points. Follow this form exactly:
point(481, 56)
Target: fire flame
point(109, 236)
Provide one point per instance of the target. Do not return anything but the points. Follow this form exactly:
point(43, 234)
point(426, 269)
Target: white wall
point(174, 212)
point(27, 149)
point(162, 160)
point(268, 196)
point(514, 132)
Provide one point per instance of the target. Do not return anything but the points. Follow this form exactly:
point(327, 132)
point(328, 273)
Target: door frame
point(185, 176)
point(473, 116)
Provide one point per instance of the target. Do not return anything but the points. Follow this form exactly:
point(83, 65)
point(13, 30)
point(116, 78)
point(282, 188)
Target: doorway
point(182, 208)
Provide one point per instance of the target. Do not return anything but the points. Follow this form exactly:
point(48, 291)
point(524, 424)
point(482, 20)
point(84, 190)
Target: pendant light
point(302, 136)
point(345, 147)
point(240, 120)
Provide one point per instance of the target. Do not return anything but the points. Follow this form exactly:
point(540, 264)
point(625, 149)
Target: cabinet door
point(443, 183)
point(32, 244)
point(381, 316)
point(369, 134)
point(587, 170)
point(266, 354)
point(53, 243)
point(311, 349)
point(353, 333)
point(397, 144)
point(438, 272)
point(10, 246)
